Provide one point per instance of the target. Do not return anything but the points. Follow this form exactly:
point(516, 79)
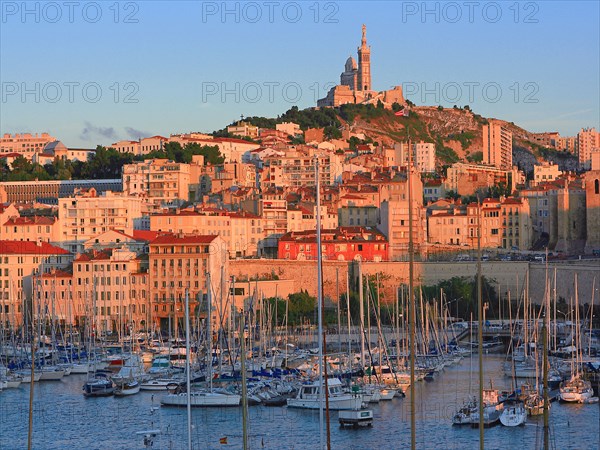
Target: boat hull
point(335, 404)
point(52, 375)
point(201, 399)
point(513, 416)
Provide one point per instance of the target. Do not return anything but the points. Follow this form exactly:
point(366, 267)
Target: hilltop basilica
point(355, 82)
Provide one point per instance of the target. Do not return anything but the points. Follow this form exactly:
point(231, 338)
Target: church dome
point(351, 64)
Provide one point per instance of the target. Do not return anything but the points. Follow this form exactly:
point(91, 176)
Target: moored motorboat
point(463, 415)
point(492, 409)
point(308, 396)
point(356, 418)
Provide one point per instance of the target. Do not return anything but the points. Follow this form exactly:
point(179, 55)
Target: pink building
point(24, 144)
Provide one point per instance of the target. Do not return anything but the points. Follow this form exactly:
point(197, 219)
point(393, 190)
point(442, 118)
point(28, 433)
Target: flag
point(402, 113)
point(223, 440)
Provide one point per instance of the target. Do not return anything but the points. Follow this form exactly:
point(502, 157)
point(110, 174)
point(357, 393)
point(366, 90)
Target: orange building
point(21, 262)
point(103, 290)
point(497, 145)
point(342, 244)
point(34, 228)
point(180, 263)
point(24, 144)
point(242, 232)
point(588, 141)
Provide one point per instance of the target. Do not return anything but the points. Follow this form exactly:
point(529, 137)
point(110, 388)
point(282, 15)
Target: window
point(596, 186)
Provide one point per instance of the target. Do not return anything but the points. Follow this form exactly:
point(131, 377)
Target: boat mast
point(244, 386)
point(480, 327)
point(411, 303)
point(362, 315)
point(32, 381)
point(545, 356)
point(323, 388)
point(187, 370)
point(209, 331)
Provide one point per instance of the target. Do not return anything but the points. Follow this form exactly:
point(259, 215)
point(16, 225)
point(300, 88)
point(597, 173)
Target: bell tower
point(364, 63)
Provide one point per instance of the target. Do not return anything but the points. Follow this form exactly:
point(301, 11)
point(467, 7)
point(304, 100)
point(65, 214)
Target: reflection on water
point(65, 419)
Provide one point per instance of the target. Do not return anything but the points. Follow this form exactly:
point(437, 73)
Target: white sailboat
point(202, 397)
point(513, 414)
point(576, 389)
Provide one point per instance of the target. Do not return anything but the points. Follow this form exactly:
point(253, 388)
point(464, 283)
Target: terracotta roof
point(144, 235)
point(57, 274)
point(512, 201)
point(345, 234)
point(30, 248)
point(33, 220)
point(234, 140)
point(185, 239)
point(93, 255)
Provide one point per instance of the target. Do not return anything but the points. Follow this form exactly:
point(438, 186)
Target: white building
point(86, 215)
point(423, 155)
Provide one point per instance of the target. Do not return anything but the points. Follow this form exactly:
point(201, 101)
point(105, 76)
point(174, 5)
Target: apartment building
point(87, 214)
point(21, 264)
point(107, 290)
point(25, 144)
point(497, 145)
point(161, 181)
point(341, 244)
point(181, 263)
point(241, 231)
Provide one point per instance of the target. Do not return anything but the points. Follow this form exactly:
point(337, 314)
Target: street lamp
point(563, 314)
point(452, 301)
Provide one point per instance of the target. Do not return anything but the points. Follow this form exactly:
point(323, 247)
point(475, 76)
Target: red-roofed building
point(25, 144)
point(433, 190)
point(117, 239)
point(114, 283)
point(180, 263)
point(241, 231)
point(342, 244)
point(20, 263)
point(7, 211)
point(31, 228)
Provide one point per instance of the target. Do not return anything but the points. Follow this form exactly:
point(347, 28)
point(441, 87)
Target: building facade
point(22, 263)
point(341, 244)
point(497, 145)
point(181, 263)
point(87, 214)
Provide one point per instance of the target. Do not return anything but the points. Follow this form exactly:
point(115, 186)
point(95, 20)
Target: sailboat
point(576, 389)
point(202, 397)
point(513, 414)
point(99, 385)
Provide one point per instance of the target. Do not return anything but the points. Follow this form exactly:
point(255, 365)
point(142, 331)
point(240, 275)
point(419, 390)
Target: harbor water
point(64, 419)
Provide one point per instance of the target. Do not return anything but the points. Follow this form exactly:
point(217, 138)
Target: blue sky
point(93, 73)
